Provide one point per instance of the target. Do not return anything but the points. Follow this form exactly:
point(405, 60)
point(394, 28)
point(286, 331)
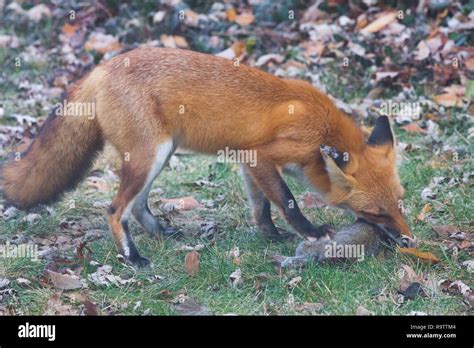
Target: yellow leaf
point(231, 14)
point(422, 255)
point(381, 22)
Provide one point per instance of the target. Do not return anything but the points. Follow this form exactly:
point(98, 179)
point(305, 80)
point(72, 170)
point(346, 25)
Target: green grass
point(340, 288)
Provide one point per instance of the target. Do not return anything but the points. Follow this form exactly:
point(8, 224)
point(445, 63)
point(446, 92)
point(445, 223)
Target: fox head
point(366, 182)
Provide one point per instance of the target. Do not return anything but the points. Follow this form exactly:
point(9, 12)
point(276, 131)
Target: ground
point(72, 235)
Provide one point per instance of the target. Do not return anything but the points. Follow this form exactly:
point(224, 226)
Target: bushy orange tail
point(58, 158)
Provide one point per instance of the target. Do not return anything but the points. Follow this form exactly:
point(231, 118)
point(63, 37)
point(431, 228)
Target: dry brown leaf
point(244, 19)
point(184, 203)
point(469, 63)
point(55, 306)
point(445, 231)
point(185, 305)
point(231, 14)
point(191, 263)
point(70, 29)
point(453, 96)
point(173, 41)
point(361, 310)
point(381, 22)
point(422, 255)
point(362, 21)
point(235, 51)
point(102, 43)
point(63, 281)
point(413, 128)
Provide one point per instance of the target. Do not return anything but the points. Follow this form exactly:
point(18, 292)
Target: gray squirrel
point(351, 243)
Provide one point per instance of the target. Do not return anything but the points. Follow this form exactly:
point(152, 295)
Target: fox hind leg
point(140, 209)
point(136, 176)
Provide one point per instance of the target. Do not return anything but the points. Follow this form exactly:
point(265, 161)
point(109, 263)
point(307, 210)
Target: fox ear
point(335, 162)
point(382, 133)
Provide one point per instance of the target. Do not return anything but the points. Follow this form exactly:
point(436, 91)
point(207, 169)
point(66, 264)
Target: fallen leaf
point(102, 43)
point(185, 247)
point(445, 231)
point(70, 29)
point(469, 264)
point(363, 311)
point(103, 276)
point(235, 279)
point(191, 263)
point(294, 282)
point(4, 283)
point(384, 19)
point(234, 254)
point(380, 75)
point(184, 203)
point(422, 255)
point(309, 308)
point(413, 128)
point(453, 96)
point(235, 51)
point(55, 306)
point(244, 19)
point(426, 209)
point(63, 281)
point(422, 51)
point(159, 16)
point(469, 63)
point(173, 41)
point(185, 305)
point(37, 12)
point(23, 282)
point(231, 14)
point(266, 58)
point(91, 308)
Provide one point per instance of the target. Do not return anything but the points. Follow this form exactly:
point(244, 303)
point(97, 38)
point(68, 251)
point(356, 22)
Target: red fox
point(148, 101)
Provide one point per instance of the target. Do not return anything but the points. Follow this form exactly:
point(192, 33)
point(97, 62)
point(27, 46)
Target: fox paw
point(138, 262)
point(323, 232)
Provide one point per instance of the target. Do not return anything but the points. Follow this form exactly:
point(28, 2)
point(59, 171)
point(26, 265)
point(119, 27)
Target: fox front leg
point(261, 212)
point(270, 182)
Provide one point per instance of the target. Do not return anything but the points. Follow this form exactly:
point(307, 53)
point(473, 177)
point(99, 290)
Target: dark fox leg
point(140, 209)
point(146, 219)
point(270, 182)
point(137, 174)
point(260, 206)
point(132, 182)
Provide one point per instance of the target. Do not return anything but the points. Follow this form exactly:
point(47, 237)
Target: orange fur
point(205, 103)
